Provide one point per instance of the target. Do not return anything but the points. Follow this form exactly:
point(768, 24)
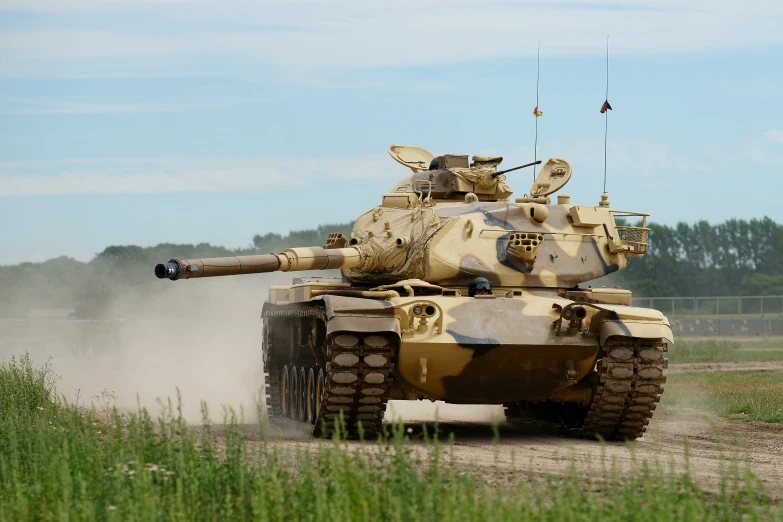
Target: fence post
point(739, 306)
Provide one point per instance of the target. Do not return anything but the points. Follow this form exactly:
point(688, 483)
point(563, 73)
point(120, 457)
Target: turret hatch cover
point(415, 158)
point(553, 176)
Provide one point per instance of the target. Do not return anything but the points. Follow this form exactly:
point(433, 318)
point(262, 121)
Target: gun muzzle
point(168, 270)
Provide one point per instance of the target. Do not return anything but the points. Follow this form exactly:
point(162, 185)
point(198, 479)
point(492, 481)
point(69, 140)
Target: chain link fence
point(761, 307)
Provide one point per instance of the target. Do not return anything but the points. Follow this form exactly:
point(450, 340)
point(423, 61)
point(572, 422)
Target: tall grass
point(704, 351)
point(724, 350)
point(60, 463)
point(752, 396)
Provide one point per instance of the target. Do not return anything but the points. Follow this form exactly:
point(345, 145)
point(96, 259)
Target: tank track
point(358, 378)
point(628, 384)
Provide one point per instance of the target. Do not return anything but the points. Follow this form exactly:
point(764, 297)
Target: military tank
point(451, 291)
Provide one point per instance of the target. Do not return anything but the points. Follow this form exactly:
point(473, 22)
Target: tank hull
point(603, 377)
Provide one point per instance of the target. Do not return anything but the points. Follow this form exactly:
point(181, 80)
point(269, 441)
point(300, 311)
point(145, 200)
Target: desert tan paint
point(449, 242)
point(447, 227)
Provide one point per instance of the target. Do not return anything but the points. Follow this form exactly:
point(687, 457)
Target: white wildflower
point(112, 508)
point(410, 430)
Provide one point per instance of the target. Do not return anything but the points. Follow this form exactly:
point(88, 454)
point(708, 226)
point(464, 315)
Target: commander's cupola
point(454, 177)
point(450, 176)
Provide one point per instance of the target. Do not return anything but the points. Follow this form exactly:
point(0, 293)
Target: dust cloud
point(201, 337)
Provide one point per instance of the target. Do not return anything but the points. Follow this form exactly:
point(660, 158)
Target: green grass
point(761, 344)
point(751, 396)
point(760, 356)
point(722, 350)
point(60, 463)
point(703, 351)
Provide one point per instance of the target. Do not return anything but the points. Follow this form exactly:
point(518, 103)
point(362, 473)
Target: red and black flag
point(606, 107)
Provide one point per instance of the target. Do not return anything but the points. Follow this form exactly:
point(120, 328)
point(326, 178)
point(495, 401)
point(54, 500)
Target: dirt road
point(711, 441)
point(710, 438)
point(711, 367)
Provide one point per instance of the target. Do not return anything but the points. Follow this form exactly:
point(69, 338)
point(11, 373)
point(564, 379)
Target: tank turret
point(453, 223)
point(451, 290)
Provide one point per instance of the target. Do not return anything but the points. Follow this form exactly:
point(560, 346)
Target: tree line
point(736, 257)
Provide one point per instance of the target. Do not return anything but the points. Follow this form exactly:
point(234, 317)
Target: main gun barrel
point(291, 259)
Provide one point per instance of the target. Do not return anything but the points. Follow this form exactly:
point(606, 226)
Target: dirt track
point(711, 367)
point(518, 453)
point(710, 439)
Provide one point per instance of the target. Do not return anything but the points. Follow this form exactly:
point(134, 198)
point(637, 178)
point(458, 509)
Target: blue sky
point(147, 121)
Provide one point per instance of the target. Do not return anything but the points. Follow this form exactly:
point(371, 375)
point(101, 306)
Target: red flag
point(537, 112)
point(606, 107)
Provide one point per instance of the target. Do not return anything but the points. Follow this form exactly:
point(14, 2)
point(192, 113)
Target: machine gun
point(498, 173)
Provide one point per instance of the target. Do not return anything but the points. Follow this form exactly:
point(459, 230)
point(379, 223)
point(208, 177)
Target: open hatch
point(415, 158)
point(553, 176)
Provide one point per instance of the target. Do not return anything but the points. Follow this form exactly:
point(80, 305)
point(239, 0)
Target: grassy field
point(59, 463)
point(751, 396)
point(724, 350)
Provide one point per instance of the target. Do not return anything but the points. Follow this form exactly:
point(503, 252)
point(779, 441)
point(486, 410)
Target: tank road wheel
point(293, 393)
point(320, 384)
point(629, 384)
point(284, 392)
point(309, 396)
point(302, 396)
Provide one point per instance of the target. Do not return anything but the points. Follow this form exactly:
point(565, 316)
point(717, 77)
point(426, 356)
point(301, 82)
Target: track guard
point(352, 314)
point(639, 330)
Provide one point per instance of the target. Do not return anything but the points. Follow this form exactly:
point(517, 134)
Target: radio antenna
point(536, 111)
point(605, 108)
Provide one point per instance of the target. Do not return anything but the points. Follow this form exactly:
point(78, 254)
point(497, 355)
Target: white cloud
point(774, 136)
point(632, 162)
point(318, 36)
point(157, 176)
point(18, 105)
point(94, 108)
point(628, 159)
